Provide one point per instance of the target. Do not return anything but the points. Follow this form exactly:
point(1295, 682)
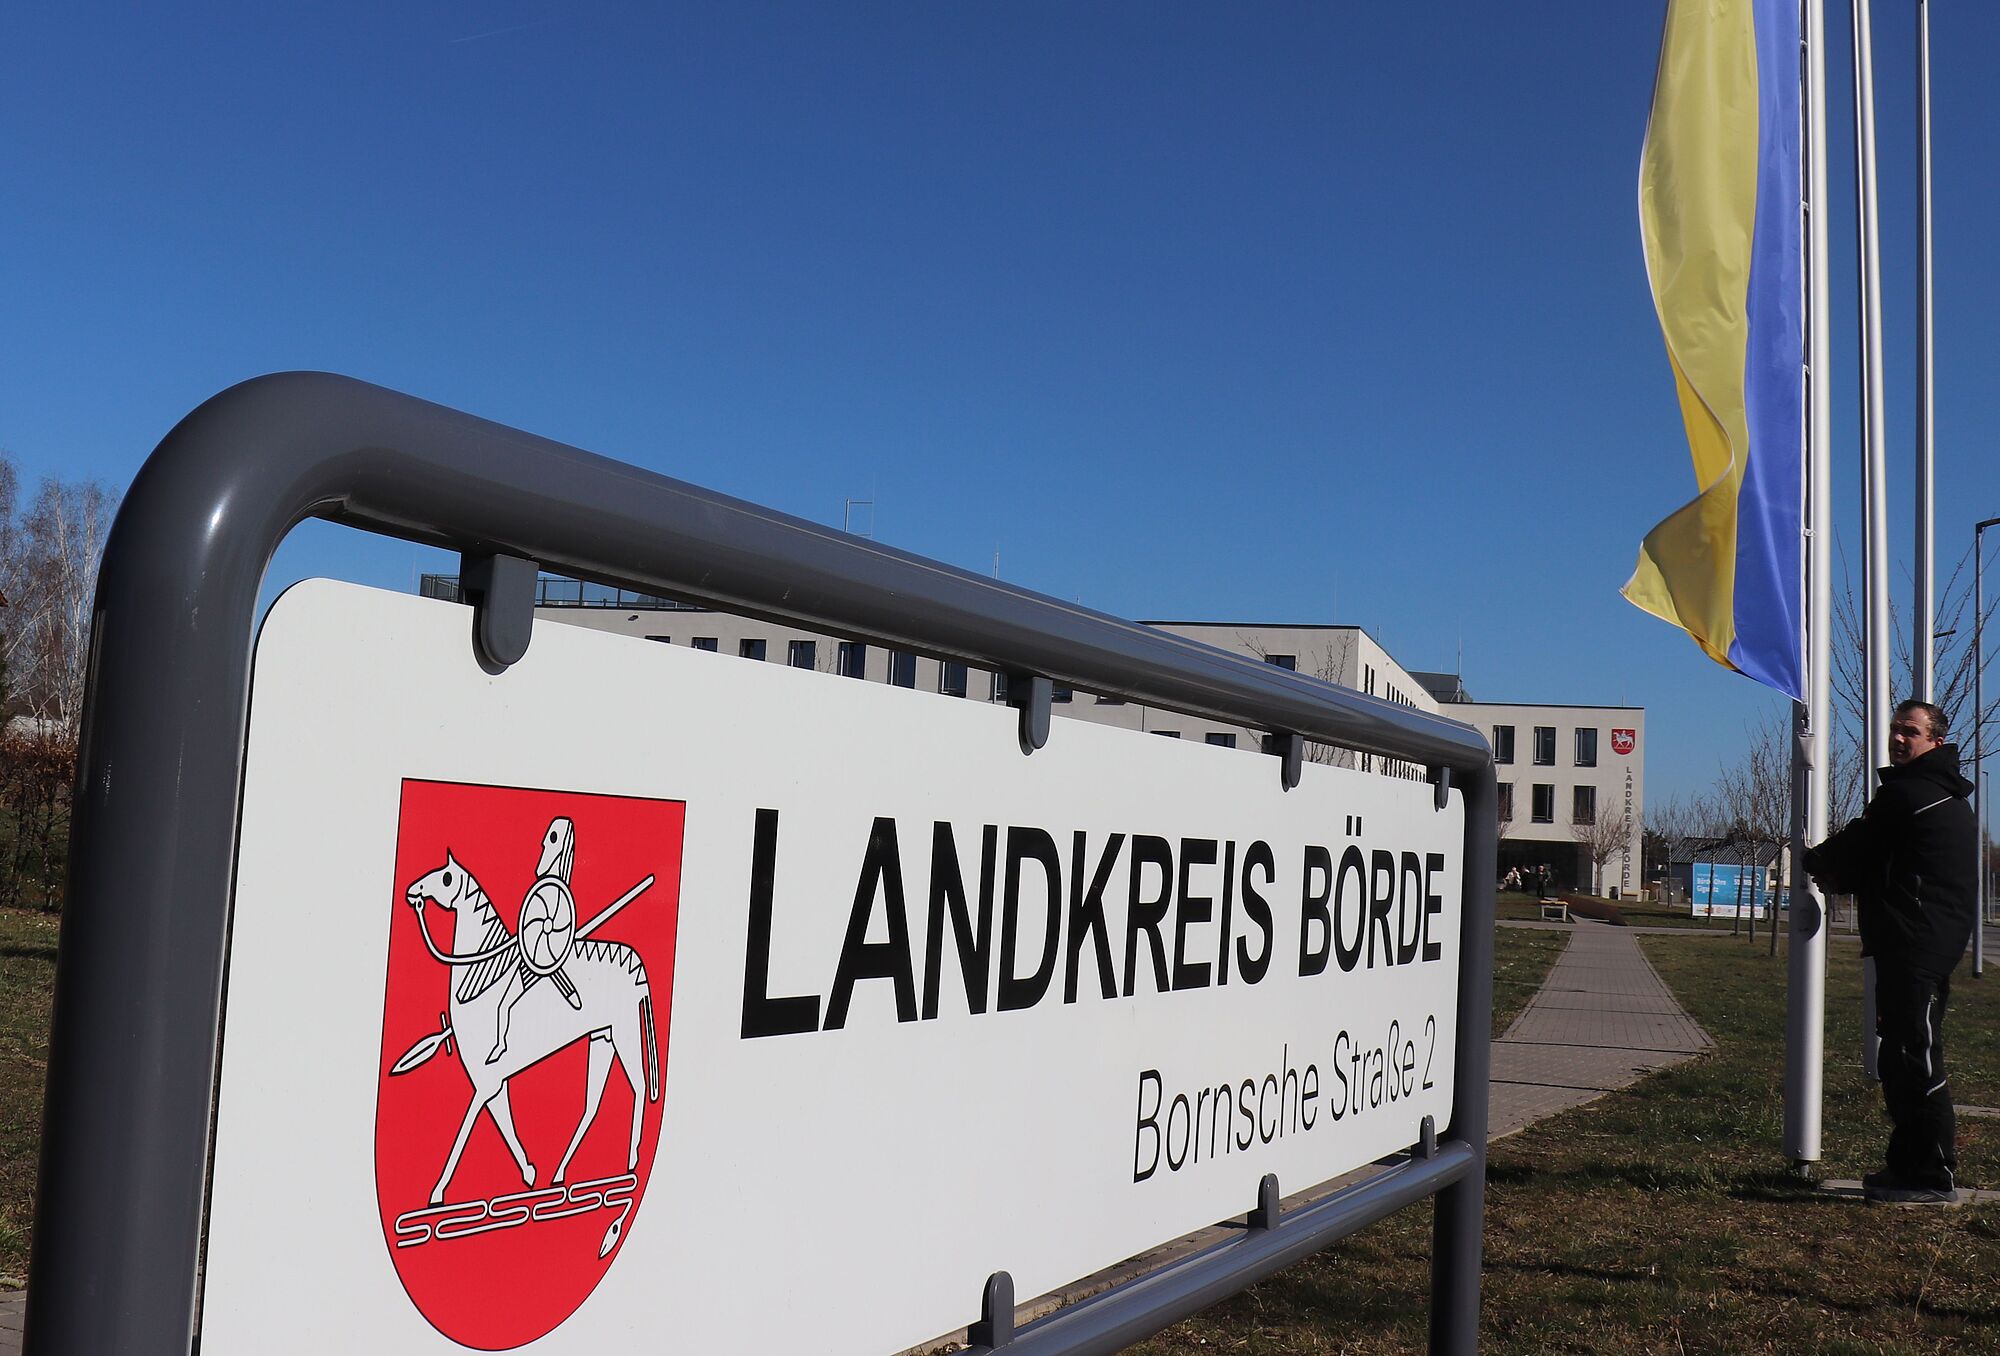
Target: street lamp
point(1979, 739)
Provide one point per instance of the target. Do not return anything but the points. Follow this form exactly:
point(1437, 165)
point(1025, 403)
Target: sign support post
point(125, 1182)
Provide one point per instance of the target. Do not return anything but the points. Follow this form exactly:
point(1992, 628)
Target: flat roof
point(1259, 626)
point(1559, 706)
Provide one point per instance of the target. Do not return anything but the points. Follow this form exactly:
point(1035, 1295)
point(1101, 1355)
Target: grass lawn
point(27, 985)
point(1659, 1219)
point(1521, 961)
point(1638, 913)
point(1512, 907)
point(1653, 1220)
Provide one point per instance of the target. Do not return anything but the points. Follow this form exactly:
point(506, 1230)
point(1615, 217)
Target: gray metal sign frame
point(134, 1055)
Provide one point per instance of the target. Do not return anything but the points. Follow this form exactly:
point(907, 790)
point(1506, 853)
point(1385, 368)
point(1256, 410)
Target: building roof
point(1443, 687)
point(1725, 851)
point(1255, 626)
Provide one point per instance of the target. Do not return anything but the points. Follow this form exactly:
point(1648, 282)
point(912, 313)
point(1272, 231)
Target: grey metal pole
point(1805, 963)
point(1979, 739)
point(1874, 468)
point(1923, 656)
point(1875, 475)
point(1458, 1215)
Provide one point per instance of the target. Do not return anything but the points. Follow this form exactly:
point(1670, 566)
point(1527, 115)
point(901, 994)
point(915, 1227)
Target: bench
point(1555, 911)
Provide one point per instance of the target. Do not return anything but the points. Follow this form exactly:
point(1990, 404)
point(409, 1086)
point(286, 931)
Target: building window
point(1506, 790)
point(1545, 746)
point(1586, 748)
point(1283, 661)
point(708, 643)
point(951, 678)
point(1168, 734)
point(902, 668)
point(1060, 692)
point(1583, 805)
point(853, 659)
point(751, 649)
point(804, 654)
point(1368, 679)
point(664, 640)
point(1543, 808)
point(1110, 701)
point(1503, 743)
point(1221, 741)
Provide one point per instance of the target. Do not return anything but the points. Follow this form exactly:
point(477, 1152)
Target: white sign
point(642, 994)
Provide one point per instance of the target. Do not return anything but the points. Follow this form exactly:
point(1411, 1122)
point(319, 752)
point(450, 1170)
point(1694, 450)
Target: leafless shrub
point(49, 556)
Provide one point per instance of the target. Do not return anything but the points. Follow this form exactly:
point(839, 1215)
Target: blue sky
point(1277, 312)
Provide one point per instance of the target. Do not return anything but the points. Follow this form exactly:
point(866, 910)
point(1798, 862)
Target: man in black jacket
point(1909, 861)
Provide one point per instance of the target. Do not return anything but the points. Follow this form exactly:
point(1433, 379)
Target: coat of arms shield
point(524, 1047)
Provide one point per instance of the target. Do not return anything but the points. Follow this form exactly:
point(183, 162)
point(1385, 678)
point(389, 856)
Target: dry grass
point(27, 987)
point(1661, 1219)
point(1521, 961)
point(1637, 913)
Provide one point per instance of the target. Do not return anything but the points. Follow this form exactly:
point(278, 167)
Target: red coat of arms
point(1623, 741)
point(532, 943)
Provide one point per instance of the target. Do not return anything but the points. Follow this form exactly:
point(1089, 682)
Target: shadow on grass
point(1646, 1174)
point(43, 951)
point(1982, 1316)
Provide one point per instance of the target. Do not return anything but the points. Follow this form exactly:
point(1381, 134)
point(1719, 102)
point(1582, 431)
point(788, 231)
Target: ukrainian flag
point(1720, 216)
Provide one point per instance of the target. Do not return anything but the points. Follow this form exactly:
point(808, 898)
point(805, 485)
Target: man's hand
point(1822, 873)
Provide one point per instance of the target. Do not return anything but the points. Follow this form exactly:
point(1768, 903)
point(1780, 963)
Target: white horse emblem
point(596, 991)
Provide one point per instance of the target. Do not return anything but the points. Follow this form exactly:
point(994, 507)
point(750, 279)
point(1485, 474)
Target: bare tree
point(48, 569)
point(1953, 669)
point(1601, 837)
point(49, 556)
point(1330, 668)
point(1678, 822)
point(1755, 794)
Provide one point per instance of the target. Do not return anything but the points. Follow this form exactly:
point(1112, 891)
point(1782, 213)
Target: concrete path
point(1601, 1021)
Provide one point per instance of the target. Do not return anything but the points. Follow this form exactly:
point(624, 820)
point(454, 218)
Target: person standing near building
point(1909, 862)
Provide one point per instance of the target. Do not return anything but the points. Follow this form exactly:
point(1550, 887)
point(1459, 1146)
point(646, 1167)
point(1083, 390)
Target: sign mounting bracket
point(1033, 695)
point(501, 589)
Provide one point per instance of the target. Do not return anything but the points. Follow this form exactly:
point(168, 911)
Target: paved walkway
point(1601, 1021)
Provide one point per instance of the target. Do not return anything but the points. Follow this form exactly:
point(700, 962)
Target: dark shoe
point(1891, 1189)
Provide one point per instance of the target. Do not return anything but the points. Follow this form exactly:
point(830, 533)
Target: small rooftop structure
point(1445, 688)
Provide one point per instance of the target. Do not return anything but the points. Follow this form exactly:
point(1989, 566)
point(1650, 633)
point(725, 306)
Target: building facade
point(1572, 789)
point(1568, 774)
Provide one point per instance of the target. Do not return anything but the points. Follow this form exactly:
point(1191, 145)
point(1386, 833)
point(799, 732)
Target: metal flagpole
point(1923, 654)
point(1805, 996)
point(1874, 492)
point(1979, 740)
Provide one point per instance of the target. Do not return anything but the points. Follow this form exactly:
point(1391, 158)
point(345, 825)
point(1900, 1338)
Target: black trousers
point(1909, 1017)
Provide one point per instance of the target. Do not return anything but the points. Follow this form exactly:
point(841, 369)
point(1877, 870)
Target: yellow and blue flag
point(1719, 212)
